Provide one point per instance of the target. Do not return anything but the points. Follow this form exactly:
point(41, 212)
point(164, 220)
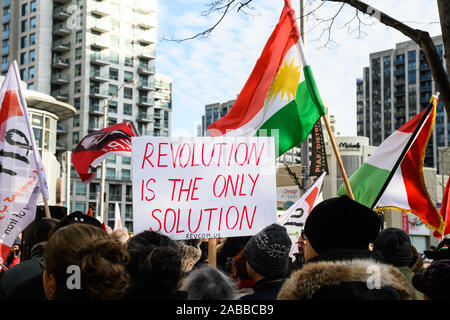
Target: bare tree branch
point(422, 38)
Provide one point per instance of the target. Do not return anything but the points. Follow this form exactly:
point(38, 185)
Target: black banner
point(318, 154)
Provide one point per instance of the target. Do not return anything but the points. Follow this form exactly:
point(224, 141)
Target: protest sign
point(195, 188)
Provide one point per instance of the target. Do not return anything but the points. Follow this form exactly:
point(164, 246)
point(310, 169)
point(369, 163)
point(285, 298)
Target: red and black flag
point(98, 145)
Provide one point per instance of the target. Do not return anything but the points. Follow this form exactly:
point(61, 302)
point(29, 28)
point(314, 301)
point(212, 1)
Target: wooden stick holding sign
point(212, 252)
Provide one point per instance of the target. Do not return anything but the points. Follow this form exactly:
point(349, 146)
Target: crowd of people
point(342, 255)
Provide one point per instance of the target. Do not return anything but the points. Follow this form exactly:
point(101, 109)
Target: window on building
point(75, 137)
point(112, 107)
point(128, 93)
point(31, 72)
point(128, 61)
point(32, 39)
point(78, 53)
point(79, 37)
point(110, 173)
point(127, 76)
point(76, 121)
point(32, 55)
point(77, 103)
point(80, 189)
point(80, 206)
point(24, 26)
point(126, 160)
point(77, 70)
point(127, 109)
point(112, 89)
point(24, 9)
point(33, 6)
point(32, 23)
point(111, 159)
point(126, 174)
point(23, 58)
point(30, 86)
point(112, 121)
point(23, 42)
point(113, 74)
point(77, 87)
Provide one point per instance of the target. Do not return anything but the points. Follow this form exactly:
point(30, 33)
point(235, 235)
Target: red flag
point(89, 213)
point(22, 174)
point(98, 145)
point(445, 211)
point(104, 227)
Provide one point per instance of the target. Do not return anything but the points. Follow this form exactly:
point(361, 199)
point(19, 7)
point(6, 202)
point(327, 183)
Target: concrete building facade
point(82, 52)
point(394, 88)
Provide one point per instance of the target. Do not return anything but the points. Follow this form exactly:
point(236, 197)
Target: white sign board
point(205, 187)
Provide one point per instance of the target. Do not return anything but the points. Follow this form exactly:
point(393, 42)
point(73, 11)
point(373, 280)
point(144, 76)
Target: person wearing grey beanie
point(267, 260)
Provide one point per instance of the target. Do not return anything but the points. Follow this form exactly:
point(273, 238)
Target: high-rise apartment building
point(163, 105)
point(214, 112)
point(395, 87)
point(90, 53)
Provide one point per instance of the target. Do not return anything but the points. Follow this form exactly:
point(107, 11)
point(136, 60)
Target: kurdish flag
point(280, 98)
point(392, 177)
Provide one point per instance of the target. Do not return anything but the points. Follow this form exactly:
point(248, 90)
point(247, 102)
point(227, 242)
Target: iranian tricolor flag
point(392, 177)
point(280, 98)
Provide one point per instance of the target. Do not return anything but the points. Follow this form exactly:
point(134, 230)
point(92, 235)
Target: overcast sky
point(214, 69)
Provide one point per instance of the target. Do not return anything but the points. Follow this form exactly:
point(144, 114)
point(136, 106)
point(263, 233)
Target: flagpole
point(304, 147)
point(33, 143)
point(338, 156)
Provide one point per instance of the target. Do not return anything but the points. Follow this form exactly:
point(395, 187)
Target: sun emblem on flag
point(285, 81)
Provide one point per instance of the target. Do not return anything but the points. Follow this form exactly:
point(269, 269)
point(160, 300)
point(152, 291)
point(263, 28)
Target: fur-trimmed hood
point(314, 276)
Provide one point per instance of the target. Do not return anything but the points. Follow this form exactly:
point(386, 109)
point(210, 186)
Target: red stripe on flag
point(311, 198)
point(252, 96)
point(4, 252)
point(10, 106)
point(411, 167)
point(445, 210)
point(411, 124)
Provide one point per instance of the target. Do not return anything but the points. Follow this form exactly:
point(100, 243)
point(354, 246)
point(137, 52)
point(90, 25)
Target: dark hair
point(208, 283)
point(101, 261)
point(43, 229)
point(239, 270)
point(154, 266)
point(76, 217)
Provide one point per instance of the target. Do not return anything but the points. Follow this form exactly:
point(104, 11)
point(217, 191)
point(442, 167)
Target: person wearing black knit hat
point(267, 259)
point(395, 246)
point(434, 281)
point(339, 264)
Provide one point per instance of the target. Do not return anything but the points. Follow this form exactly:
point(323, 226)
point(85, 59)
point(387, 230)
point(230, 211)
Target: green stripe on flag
point(366, 183)
point(296, 120)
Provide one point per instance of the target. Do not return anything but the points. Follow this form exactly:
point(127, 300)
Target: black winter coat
point(347, 275)
point(265, 289)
